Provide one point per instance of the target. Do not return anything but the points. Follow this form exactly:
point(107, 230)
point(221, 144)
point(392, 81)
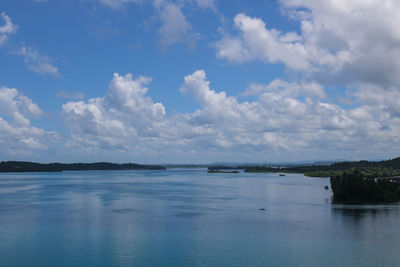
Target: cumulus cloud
point(257, 42)
point(17, 106)
point(352, 44)
point(36, 62)
point(286, 120)
point(339, 41)
point(293, 118)
point(117, 119)
point(259, 123)
point(17, 136)
point(7, 28)
point(387, 99)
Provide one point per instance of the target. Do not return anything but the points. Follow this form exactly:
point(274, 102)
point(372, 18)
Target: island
point(25, 166)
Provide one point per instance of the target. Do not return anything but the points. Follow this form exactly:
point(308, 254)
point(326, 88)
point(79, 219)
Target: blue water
point(188, 218)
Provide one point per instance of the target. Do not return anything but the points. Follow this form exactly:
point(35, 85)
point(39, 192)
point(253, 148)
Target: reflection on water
point(186, 218)
point(373, 230)
point(360, 212)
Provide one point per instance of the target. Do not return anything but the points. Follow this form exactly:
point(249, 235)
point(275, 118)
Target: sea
point(188, 217)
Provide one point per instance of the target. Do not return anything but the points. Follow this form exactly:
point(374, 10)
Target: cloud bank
point(353, 44)
point(286, 119)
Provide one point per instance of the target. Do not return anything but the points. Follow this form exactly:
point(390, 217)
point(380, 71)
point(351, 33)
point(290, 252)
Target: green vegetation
point(369, 169)
point(23, 166)
point(353, 187)
point(368, 172)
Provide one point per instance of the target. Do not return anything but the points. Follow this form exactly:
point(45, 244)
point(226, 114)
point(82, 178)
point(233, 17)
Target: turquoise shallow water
point(188, 218)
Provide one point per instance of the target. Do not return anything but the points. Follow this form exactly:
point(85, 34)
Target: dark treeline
point(353, 187)
point(339, 166)
point(392, 163)
point(23, 166)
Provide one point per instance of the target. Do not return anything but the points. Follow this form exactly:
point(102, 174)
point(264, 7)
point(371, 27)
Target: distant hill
point(24, 166)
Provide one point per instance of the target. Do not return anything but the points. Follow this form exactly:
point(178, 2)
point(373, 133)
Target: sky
point(199, 81)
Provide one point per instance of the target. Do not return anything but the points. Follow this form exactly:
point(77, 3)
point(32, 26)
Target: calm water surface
point(188, 218)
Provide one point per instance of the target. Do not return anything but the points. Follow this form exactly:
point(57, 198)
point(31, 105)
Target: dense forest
point(353, 187)
point(23, 166)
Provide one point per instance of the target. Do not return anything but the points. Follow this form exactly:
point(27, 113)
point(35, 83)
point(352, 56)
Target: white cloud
point(36, 62)
point(174, 26)
point(256, 42)
point(292, 89)
point(17, 106)
point(286, 121)
point(117, 119)
point(387, 99)
point(339, 41)
point(7, 28)
point(353, 44)
point(17, 136)
point(197, 85)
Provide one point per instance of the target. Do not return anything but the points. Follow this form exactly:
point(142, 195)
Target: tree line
point(25, 166)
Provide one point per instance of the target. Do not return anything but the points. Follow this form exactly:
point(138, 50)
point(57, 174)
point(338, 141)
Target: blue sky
point(163, 81)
